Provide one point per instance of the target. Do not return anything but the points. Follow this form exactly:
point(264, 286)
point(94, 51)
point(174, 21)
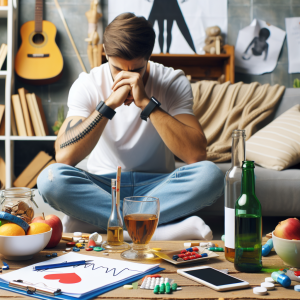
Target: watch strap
point(149, 108)
point(105, 110)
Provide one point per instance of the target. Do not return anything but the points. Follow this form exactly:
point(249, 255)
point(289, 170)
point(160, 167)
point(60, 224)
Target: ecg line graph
point(93, 269)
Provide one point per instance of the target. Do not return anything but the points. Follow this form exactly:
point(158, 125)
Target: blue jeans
point(87, 197)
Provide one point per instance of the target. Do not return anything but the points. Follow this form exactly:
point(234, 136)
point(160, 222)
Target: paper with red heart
point(68, 278)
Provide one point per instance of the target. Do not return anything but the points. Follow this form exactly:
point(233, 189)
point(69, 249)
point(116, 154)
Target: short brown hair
point(129, 37)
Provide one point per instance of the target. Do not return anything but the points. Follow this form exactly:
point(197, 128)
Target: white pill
point(268, 285)
point(156, 281)
point(76, 239)
point(128, 287)
point(210, 244)
point(187, 245)
point(260, 291)
point(269, 279)
point(203, 244)
point(77, 234)
point(178, 289)
point(81, 241)
point(166, 280)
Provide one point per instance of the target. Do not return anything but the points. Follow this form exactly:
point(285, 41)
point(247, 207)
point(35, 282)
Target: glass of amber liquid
point(141, 214)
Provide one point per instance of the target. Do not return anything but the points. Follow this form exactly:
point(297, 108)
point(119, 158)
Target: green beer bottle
point(248, 224)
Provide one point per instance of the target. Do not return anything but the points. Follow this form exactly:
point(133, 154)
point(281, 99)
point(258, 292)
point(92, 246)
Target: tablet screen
point(213, 276)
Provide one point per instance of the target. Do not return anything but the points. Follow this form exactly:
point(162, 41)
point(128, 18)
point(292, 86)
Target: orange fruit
point(11, 229)
point(36, 228)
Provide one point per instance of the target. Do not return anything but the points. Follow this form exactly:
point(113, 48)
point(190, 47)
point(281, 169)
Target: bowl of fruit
point(20, 242)
point(286, 241)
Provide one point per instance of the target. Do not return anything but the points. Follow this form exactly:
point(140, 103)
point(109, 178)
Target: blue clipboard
point(95, 293)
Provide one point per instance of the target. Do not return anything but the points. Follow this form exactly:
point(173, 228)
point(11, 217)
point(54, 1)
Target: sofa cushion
point(277, 146)
point(278, 192)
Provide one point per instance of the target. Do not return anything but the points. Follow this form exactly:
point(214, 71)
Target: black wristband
point(149, 108)
point(105, 110)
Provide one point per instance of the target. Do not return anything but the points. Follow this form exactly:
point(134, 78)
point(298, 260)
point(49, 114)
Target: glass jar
point(18, 201)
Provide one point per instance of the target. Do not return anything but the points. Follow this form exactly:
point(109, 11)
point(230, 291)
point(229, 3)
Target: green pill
point(98, 249)
point(156, 289)
point(168, 289)
point(162, 288)
point(174, 286)
point(216, 249)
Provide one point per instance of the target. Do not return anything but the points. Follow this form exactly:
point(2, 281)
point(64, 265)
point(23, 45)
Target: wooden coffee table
point(190, 289)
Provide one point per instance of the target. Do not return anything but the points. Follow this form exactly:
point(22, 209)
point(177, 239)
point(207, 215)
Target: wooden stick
point(69, 34)
point(100, 46)
point(118, 185)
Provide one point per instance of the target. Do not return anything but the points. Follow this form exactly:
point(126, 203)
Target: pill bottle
point(18, 201)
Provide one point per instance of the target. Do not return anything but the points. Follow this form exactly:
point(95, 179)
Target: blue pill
point(175, 257)
point(75, 249)
point(48, 255)
point(5, 268)
point(204, 255)
point(189, 249)
point(54, 254)
point(282, 279)
point(265, 250)
point(297, 288)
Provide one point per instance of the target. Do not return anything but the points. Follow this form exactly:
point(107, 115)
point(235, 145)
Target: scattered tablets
point(260, 291)
point(269, 279)
point(54, 254)
point(297, 288)
point(98, 249)
point(268, 285)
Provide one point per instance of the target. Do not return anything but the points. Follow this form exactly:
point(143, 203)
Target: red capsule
point(198, 255)
point(183, 251)
point(193, 253)
point(193, 257)
point(188, 254)
point(181, 255)
point(297, 273)
point(88, 249)
point(186, 258)
point(195, 249)
point(71, 244)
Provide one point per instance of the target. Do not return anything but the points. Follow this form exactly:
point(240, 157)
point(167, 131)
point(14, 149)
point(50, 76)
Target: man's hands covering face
point(137, 92)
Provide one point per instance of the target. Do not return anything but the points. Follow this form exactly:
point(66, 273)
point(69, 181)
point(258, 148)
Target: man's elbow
point(200, 154)
point(61, 158)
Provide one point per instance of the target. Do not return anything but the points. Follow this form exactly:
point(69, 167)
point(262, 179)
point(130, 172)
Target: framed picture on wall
point(179, 24)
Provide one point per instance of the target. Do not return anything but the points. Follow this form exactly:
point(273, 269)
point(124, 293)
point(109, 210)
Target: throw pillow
point(277, 146)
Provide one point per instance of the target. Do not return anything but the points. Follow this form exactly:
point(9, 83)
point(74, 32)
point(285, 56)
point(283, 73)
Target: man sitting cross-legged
point(116, 118)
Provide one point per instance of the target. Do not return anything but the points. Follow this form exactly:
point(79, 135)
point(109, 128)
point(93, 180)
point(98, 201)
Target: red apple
point(288, 229)
point(55, 223)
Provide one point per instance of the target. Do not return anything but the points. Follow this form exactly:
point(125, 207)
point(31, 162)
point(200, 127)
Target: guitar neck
point(38, 15)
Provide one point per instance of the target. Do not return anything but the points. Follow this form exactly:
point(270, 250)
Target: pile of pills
point(189, 254)
point(151, 281)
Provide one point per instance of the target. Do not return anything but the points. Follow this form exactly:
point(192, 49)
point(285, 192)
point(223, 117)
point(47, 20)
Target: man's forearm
point(184, 141)
point(78, 141)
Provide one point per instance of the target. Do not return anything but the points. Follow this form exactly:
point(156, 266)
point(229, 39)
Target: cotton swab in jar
point(118, 185)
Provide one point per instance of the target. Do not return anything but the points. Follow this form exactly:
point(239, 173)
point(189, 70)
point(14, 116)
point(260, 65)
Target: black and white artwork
point(292, 26)
point(258, 47)
point(179, 24)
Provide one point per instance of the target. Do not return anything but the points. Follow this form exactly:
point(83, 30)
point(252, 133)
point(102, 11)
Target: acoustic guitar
point(38, 61)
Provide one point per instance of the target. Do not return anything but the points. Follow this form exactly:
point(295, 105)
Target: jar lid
point(17, 192)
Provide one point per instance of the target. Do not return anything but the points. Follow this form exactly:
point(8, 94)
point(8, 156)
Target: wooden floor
point(190, 289)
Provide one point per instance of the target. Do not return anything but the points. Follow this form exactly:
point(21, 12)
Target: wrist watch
point(105, 110)
point(149, 108)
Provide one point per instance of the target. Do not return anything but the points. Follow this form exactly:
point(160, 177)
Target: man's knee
point(51, 179)
point(214, 177)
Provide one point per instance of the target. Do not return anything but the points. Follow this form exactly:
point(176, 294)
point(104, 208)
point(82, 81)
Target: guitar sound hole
point(38, 38)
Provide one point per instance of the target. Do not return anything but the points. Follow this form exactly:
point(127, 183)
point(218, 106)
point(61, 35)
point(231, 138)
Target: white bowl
point(287, 250)
point(24, 246)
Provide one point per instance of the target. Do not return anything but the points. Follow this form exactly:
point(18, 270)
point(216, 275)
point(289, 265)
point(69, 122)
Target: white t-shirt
point(127, 140)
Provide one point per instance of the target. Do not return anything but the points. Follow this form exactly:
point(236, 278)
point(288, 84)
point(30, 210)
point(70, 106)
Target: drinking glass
point(141, 214)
